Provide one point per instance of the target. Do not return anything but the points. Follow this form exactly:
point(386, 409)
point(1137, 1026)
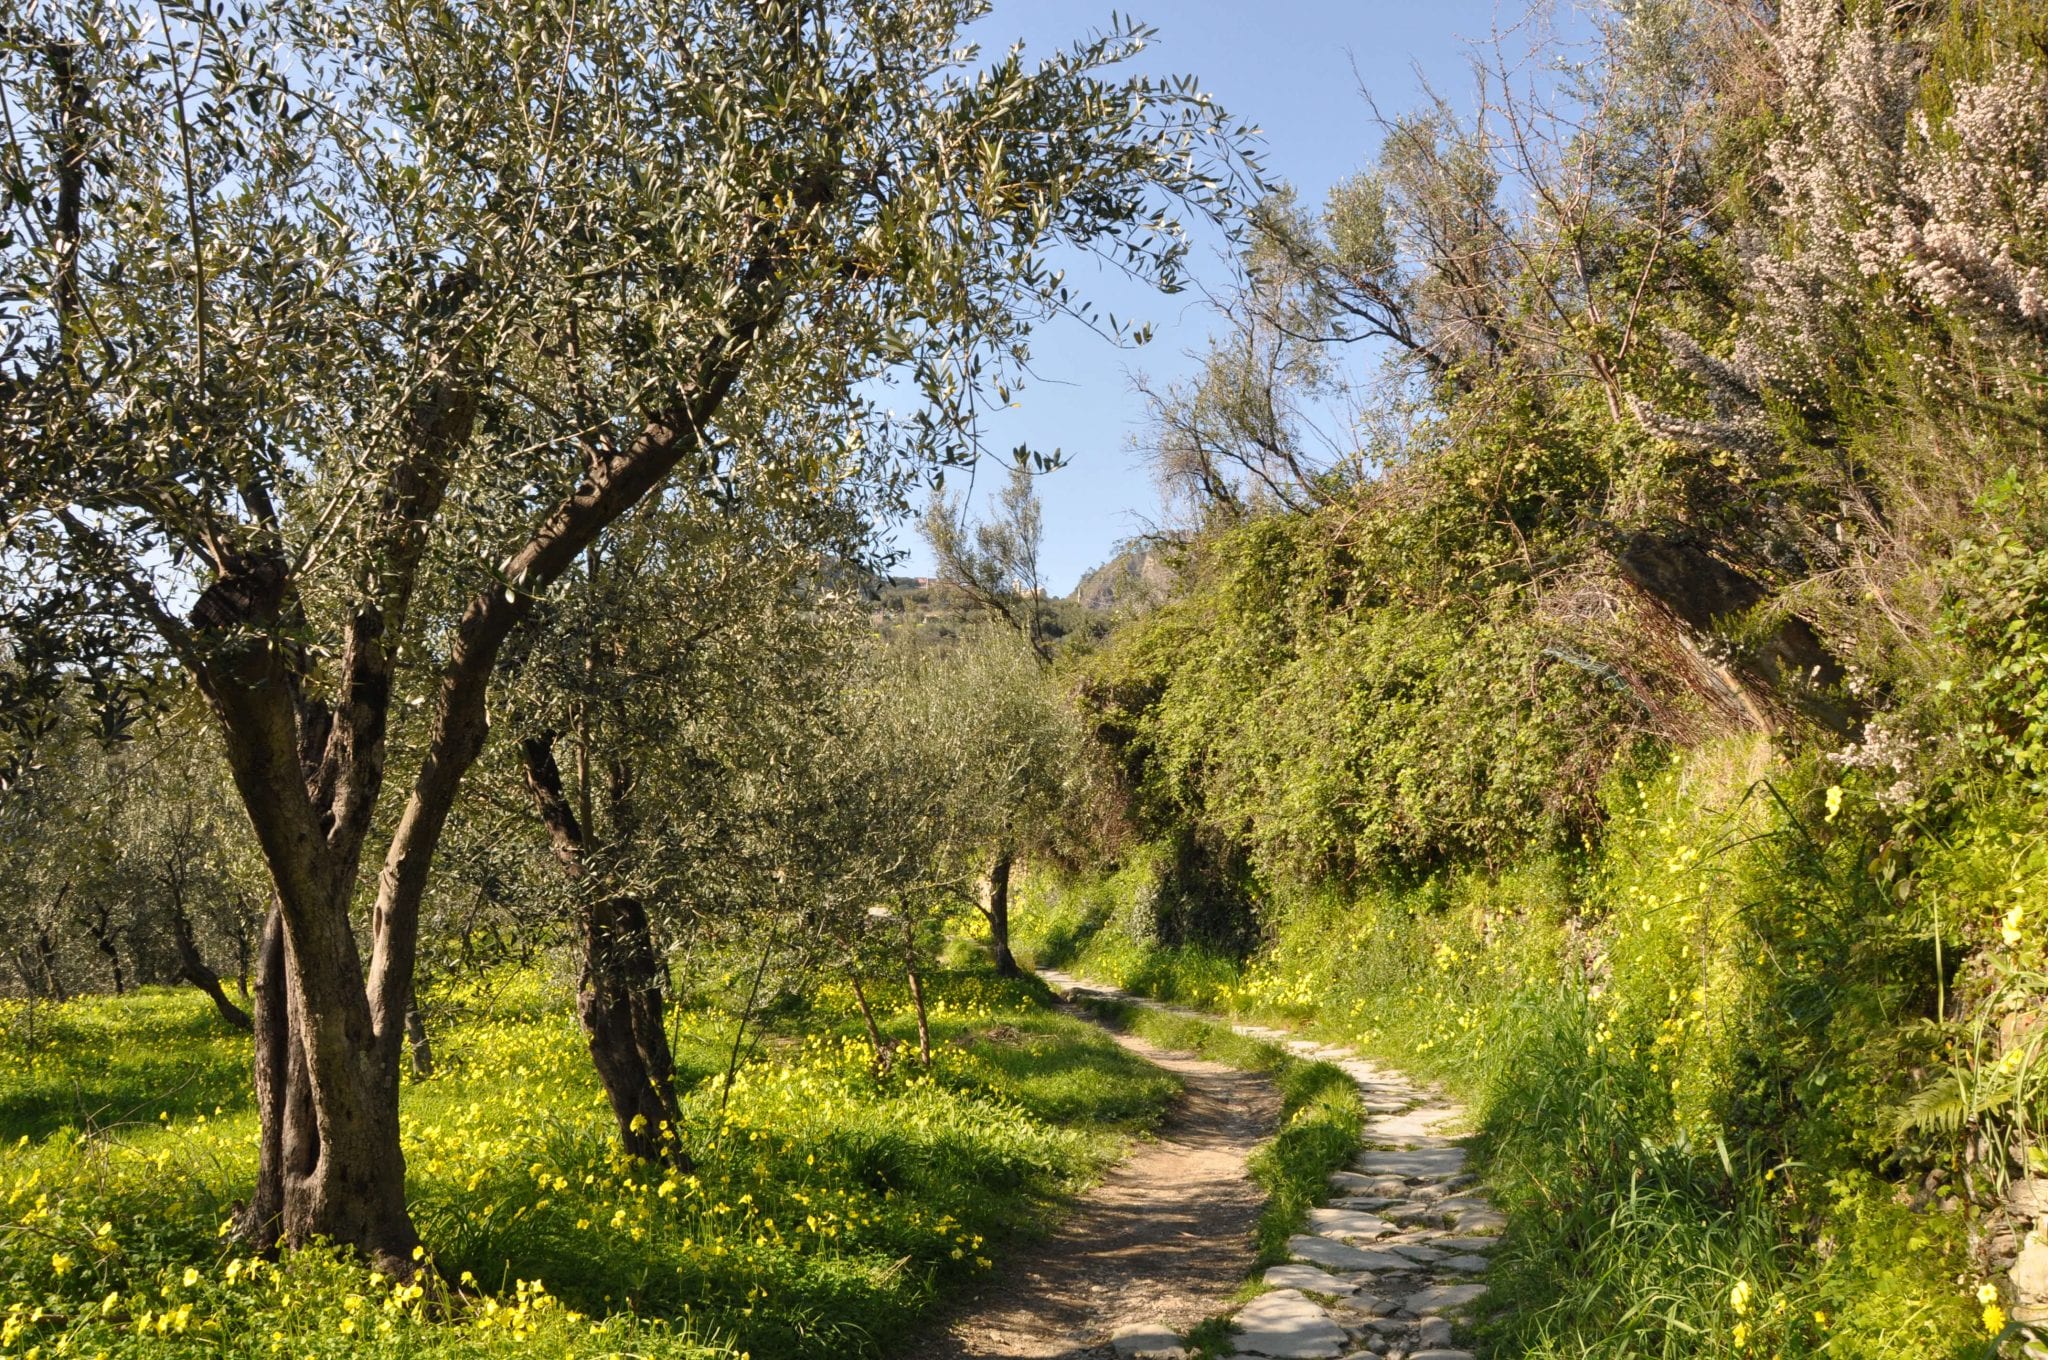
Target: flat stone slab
point(1433, 1333)
point(1440, 1353)
point(1347, 1223)
point(1382, 1188)
point(1417, 1123)
point(1384, 1262)
point(1146, 1341)
point(1464, 1265)
point(1310, 1280)
point(1331, 1254)
point(1482, 1221)
point(1413, 1163)
point(1443, 1298)
point(1415, 1251)
point(1287, 1325)
point(1367, 1203)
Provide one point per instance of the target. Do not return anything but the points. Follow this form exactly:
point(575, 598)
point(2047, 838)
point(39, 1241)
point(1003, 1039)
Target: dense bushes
point(1265, 708)
point(1648, 730)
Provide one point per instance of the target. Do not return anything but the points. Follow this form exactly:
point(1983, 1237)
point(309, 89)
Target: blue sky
point(1293, 68)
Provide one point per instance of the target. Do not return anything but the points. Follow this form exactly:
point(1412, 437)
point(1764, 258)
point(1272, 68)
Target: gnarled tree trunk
point(995, 908)
point(618, 996)
point(99, 924)
point(192, 964)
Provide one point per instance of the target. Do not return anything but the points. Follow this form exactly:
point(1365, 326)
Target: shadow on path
point(1166, 1237)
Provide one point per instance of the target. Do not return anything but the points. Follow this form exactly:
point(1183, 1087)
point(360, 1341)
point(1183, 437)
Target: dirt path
point(1166, 1237)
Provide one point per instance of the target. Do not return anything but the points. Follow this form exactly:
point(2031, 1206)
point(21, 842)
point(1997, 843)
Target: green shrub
point(1688, 1052)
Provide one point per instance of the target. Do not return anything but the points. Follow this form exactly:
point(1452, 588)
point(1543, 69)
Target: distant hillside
point(924, 606)
point(932, 610)
point(1135, 580)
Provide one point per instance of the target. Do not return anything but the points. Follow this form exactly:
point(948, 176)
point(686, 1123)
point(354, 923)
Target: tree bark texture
point(867, 1015)
point(910, 973)
point(996, 908)
point(417, 1043)
point(618, 995)
point(192, 964)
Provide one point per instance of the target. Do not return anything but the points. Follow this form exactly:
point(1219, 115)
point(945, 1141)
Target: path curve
point(1167, 1234)
point(1392, 1264)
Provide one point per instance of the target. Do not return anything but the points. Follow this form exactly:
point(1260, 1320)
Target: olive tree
point(122, 863)
point(995, 562)
point(339, 330)
point(675, 678)
point(1022, 768)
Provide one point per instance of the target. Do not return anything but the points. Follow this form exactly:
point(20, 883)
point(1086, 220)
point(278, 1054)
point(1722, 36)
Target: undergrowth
point(1688, 1053)
point(829, 1204)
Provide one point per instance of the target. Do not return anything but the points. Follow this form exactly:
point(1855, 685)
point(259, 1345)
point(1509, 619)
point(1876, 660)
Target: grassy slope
point(1671, 1193)
point(828, 1206)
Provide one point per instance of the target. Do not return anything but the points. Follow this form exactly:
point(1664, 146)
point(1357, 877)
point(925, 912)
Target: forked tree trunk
point(99, 924)
point(327, 1104)
point(996, 909)
point(329, 1161)
point(344, 1175)
point(618, 996)
point(619, 1000)
point(309, 777)
point(46, 959)
point(192, 964)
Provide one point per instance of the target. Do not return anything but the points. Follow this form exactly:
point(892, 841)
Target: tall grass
point(1686, 1054)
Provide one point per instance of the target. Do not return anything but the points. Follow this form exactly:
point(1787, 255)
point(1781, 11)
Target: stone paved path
point(1394, 1261)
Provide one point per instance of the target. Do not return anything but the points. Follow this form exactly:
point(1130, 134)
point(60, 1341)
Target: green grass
point(830, 1206)
point(86, 1070)
point(1683, 1054)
